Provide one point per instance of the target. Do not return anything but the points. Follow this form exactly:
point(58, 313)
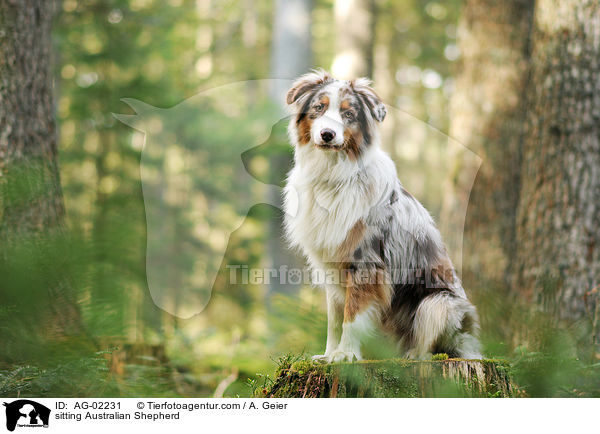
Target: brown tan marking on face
point(322, 100)
point(364, 290)
point(353, 138)
point(304, 126)
point(349, 107)
point(356, 132)
point(345, 105)
point(318, 107)
point(315, 108)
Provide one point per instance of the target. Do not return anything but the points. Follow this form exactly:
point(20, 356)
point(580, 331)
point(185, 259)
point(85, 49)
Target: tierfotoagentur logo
point(25, 413)
point(240, 274)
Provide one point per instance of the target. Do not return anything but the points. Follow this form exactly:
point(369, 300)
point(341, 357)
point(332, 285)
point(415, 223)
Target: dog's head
point(334, 115)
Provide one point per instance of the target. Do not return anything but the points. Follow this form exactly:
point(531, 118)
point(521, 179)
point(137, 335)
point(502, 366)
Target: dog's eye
point(349, 115)
point(319, 107)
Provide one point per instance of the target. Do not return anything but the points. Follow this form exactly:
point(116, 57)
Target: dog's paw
point(344, 356)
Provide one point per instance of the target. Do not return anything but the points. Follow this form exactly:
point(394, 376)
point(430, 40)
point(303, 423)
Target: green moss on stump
point(390, 378)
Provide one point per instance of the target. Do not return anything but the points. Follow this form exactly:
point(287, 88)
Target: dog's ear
point(306, 84)
point(362, 86)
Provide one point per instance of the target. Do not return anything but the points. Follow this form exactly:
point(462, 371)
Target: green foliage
point(556, 375)
point(84, 377)
point(440, 356)
point(549, 358)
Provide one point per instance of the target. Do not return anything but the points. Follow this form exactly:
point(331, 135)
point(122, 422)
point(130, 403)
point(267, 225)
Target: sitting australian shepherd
point(346, 210)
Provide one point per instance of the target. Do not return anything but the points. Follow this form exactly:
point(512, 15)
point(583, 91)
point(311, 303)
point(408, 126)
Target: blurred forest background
point(494, 126)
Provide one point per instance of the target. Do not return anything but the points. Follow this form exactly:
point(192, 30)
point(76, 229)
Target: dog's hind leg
point(429, 325)
point(465, 341)
point(445, 323)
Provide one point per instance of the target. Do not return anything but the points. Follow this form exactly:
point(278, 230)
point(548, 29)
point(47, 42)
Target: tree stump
point(390, 379)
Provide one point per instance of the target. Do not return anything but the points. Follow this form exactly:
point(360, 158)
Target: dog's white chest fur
point(332, 197)
point(325, 215)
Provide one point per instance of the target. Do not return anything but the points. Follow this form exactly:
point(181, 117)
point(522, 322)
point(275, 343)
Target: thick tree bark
point(558, 255)
point(31, 202)
point(487, 112)
point(528, 102)
point(27, 130)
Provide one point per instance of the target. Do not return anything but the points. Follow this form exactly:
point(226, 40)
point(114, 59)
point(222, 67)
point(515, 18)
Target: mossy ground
point(298, 377)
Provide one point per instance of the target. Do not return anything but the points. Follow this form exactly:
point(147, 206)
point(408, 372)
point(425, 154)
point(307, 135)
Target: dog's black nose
point(327, 135)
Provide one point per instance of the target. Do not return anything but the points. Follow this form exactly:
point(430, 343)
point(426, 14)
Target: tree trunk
point(558, 259)
point(355, 32)
point(391, 379)
point(31, 203)
point(487, 109)
point(291, 56)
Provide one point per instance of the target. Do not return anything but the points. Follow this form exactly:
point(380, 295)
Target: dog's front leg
point(335, 314)
point(360, 319)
